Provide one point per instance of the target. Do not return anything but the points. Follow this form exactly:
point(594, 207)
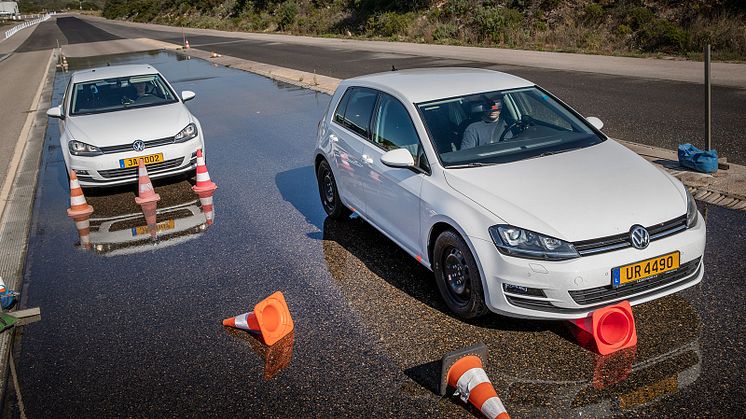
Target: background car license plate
point(162, 226)
point(135, 161)
point(644, 270)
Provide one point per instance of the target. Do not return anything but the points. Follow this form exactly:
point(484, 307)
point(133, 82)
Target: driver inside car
point(489, 129)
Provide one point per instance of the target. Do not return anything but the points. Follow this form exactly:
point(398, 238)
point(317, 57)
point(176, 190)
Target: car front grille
point(132, 171)
point(621, 241)
point(128, 147)
point(607, 293)
point(528, 303)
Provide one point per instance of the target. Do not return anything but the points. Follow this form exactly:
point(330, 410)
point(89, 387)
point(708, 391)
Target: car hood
point(583, 194)
point(126, 126)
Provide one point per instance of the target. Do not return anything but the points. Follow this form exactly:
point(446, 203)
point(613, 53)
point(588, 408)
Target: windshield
point(119, 93)
point(503, 126)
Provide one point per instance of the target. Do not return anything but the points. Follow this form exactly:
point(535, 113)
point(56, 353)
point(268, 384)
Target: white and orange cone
point(463, 371)
point(147, 199)
point(204, 185)
point(78, 205)
point(80, 211)
point(186, 44)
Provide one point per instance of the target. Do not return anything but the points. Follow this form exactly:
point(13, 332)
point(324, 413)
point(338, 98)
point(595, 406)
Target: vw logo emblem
point(639, 237)
point(138, 145)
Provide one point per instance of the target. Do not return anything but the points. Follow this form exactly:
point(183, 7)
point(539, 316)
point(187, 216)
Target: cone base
point(154, 198)
point(204, 188)
point(83, 212)
point(479, 350)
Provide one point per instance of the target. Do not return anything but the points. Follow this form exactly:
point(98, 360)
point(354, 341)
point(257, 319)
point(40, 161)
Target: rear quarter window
point(355, 110)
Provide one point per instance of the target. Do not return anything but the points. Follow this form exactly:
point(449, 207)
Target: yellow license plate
point(135, 161)
point(647, 394)
point(646, 269)
point(162, 226)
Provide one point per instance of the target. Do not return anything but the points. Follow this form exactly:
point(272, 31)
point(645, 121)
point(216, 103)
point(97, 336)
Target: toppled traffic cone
point(204, 185)
point(463, 371)
point(608, 329)
point(80, 211)
point(147, 199)
point(270, 319)
point(215, 55)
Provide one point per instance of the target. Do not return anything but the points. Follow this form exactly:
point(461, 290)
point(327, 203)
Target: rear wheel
point(457, 276)
point(328, 192)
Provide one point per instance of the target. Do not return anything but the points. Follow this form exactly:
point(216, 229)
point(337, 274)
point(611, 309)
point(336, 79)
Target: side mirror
point(187, 95)
point(55, 112)
point(398, 158)
point(595, 122)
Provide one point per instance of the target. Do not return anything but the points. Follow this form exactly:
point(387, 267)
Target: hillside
point(625, 27)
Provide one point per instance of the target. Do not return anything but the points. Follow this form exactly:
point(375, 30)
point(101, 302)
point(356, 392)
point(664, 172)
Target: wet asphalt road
point(135, 329)
point(654, 112)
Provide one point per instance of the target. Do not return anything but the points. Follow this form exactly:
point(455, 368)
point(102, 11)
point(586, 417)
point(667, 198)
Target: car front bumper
point(572, 289)
point(105, 170)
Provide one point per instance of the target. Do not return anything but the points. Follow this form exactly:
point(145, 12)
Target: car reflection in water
point(118, 225)
point(538, 368)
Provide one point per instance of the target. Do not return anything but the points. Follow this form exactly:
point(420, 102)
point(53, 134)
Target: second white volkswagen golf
point(517, 203)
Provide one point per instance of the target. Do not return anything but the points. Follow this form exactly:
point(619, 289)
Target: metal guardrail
point(26, 24)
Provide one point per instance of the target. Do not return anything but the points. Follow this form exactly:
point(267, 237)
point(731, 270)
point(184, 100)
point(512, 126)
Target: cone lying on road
point(78, 205)
point(463, 370)
point(204, 184)
point(270, 319)
point(147, 199)
point(612, 328)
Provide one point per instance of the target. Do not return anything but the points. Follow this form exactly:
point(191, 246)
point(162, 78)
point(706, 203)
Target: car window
point(503, 126)
point(359, 103)
point(393, 128)
point(339, 114)
point(119, 93)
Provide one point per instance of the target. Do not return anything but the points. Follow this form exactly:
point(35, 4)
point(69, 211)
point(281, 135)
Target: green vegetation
point(626, 27)
point(40, 6)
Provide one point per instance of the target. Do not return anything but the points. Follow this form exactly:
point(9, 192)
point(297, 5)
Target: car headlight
point(527, 244)
point(189, 132)
point(691, 210)
point(79, 148)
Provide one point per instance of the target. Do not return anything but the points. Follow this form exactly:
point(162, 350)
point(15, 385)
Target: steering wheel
point(521, 124)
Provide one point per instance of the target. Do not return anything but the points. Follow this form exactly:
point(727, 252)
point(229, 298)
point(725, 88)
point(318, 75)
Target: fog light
point(81, 172)
point(521, 290)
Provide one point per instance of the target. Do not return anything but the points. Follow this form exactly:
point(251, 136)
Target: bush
point(390, 24)
point(662, 35)
point(286, 13)
point(445, 32)
point(593, 13)
point(490, 23)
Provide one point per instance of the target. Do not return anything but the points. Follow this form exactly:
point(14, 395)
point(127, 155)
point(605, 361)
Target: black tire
point(328, 193)
point(457, 276)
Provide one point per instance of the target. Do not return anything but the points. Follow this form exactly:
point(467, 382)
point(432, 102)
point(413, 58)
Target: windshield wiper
point(472, 164)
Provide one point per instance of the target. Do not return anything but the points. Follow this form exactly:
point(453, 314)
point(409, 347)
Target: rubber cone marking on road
point(79, 208)
point(84, 231)
point(463, 370)
point(205, 200)
point(204, 184)
point(270, 319)
point(146, 193)
point(612, 327)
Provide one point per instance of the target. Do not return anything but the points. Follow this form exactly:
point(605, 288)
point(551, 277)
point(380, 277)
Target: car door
point(348, 133)
point(393, 194)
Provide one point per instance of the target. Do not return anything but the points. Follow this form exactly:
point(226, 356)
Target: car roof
point(109, 72)
point(425, 84)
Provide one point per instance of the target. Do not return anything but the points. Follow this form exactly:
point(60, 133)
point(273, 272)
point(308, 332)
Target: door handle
point(333, 138)
point(367, 159)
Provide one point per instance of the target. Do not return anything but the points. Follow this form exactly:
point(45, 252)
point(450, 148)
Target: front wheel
point(329, 194)
point(457, 276)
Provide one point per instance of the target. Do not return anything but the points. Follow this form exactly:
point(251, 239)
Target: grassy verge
point(659, 28)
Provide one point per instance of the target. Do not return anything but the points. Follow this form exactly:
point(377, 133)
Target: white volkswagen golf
point(517, 203)
point(111, 117)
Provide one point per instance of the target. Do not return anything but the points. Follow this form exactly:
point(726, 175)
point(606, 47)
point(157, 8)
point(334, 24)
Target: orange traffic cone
point(463, 371)
point(147, 199)
point(80, 211)
point(270, 319)
point(78, 205)
point(186, 44)
point(612, 328)
point(204, 184)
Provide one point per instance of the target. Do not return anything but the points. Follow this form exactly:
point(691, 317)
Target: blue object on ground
point(699, 160)
point(8, 299)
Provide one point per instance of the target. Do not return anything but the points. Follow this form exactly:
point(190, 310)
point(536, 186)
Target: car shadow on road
point(298, 187)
